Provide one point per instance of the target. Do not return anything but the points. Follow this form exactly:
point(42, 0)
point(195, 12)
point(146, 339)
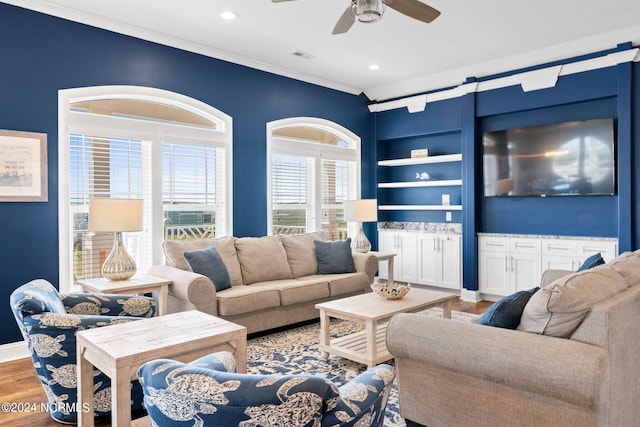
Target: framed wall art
point(23, 166)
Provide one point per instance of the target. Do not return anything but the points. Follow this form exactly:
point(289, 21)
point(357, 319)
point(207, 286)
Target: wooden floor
point(19, 383)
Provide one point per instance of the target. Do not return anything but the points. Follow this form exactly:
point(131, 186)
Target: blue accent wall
point(438, 128)
point(42, 55)
point(566, 216)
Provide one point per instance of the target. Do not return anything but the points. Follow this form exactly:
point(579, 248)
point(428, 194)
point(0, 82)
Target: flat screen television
point(565, 159)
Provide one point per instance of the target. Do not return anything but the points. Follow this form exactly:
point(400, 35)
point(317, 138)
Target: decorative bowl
point(391, 291)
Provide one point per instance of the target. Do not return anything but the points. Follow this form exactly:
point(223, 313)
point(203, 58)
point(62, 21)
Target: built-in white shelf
point(422, 160)
point(410, 184)
point(420, 207)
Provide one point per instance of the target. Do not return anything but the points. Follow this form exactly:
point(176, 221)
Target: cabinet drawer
point(607, 249)
point(525, 246)
point(494, 244)
point(559, 247)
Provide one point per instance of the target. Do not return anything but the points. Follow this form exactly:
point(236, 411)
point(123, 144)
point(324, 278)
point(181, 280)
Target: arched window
point(130, 142)
point(314, 165)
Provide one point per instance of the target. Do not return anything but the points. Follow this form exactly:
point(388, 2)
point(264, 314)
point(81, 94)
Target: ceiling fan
point(372, 10)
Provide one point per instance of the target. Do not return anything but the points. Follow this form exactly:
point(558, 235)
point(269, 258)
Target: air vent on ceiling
point(303, 55)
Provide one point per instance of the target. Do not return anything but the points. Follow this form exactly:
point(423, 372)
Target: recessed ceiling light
point(374, 67)
point(228, 15)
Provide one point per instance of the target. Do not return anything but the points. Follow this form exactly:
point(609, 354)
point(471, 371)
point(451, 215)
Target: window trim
point(222, 135)
point(343, 133)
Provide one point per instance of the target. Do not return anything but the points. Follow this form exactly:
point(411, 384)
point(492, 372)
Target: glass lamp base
point(119, 265)
point(360, 243)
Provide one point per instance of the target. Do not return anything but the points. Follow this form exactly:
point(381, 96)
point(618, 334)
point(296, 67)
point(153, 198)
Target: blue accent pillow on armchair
point(506, 313)
point(208, 262)
point(334, 257)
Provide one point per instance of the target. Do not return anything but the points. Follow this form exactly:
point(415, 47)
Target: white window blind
point(293, 193)
point(338, 185)
point(309, 183)
point(107, 167)
point(193, 190)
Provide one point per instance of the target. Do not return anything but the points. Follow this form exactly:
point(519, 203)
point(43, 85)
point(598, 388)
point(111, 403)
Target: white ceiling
point(470, 38)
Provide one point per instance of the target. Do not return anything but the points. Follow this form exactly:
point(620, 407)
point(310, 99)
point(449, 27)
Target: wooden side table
point(119, 350)
point(138, 284)
point(386, 256)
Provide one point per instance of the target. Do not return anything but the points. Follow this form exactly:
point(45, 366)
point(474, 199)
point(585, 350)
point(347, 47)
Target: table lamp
point(364, 210)
point(116, 216)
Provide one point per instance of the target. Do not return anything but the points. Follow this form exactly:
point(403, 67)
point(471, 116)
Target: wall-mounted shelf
point(422, 160)
point(398, 186)
point(420, 207)
point(411, 184)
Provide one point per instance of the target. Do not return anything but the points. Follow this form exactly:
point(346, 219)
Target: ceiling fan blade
point(414, 8)
point(345, 22)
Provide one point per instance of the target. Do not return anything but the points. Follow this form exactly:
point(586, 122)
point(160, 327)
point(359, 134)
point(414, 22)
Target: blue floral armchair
point(49, 321)
point(208, 392)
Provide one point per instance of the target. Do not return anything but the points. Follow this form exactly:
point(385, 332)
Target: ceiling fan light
point(368, 11)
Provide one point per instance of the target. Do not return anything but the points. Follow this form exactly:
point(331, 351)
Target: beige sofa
point(463, 374)
point(274, 279)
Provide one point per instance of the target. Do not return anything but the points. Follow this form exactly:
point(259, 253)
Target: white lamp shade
point(364, 210)
point(115, 214)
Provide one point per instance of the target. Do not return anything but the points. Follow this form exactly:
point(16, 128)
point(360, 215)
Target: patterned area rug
point(296, 351)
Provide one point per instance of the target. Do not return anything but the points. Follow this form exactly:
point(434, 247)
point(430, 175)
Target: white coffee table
point(138, 284)
point(119, 350)
point(368, 346)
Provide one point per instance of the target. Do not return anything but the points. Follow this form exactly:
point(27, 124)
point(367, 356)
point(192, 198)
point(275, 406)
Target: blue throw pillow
point(209, 263)
point(593, 261)
point(334, 257)
point(506, 313)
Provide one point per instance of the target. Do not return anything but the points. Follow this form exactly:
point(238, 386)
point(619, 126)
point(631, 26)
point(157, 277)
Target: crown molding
point(543, 78)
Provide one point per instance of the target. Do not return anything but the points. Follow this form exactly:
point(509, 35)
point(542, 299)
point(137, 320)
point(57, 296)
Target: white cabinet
point(569, 254)
point(440, 262)
point(423, 258)
point(404, 245)
point(508, 264)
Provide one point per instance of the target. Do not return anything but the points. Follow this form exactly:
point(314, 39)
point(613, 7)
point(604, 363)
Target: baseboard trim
point(13, 351)
point(470, 296)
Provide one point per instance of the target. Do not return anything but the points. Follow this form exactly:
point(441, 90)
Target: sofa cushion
point(262, 259)
point(628, 266)
point(593, 261)
point(301, 252)
point(208, 262)
point(334, 257)
point(348, 284)
point(302, 289)
point(506, 312)
point(558, 308)
point(245, 299)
